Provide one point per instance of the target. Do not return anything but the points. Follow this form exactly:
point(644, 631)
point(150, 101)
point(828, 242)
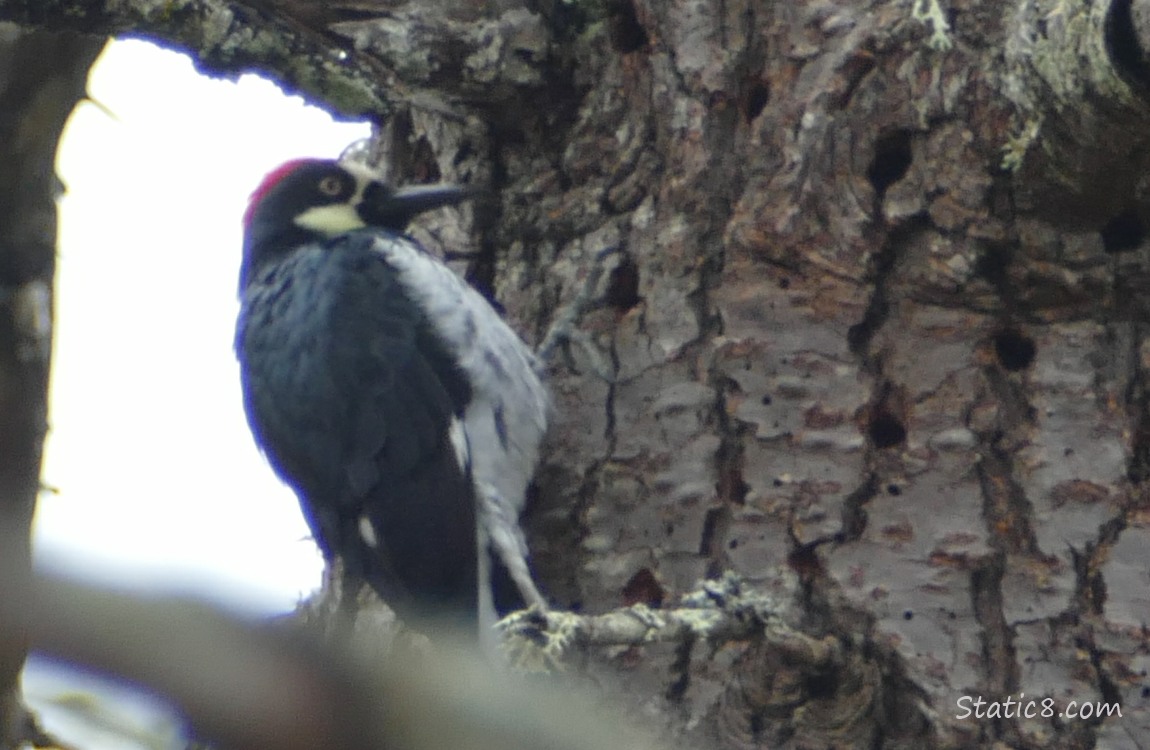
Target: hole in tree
point(886, 431)
point(892, 159)
point(643, 588)
point(424, 167)
point(1122, 42)
point(627, 34)
point(1123, 233)
point(756, 99)
point(1014, 350)
point(822, 685)
point(623, 286)
point(992, 264)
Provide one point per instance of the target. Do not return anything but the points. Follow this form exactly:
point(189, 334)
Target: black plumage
point(351, 397)
point(402, 409)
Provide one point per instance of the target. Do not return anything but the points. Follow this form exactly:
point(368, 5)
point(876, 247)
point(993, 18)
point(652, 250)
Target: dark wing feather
point(351, 398)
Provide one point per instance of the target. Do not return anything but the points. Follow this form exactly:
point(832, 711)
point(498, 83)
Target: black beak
point(394, 208)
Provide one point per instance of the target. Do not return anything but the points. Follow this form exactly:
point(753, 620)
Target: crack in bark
point(1000, 667)
point(1005, 507)
point(883, 266)
point(854, 515)
point(1090, 587)
point(481, 270)
point(1138, 403)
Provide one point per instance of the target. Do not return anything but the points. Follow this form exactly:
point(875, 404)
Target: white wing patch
point(458, 435)
point(367, 532)
point(498, 438)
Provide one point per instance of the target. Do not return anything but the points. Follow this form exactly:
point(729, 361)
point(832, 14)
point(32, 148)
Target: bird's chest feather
point(289, 333)
point(317, 334)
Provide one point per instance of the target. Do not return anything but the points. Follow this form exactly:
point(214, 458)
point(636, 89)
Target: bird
point(388, 393)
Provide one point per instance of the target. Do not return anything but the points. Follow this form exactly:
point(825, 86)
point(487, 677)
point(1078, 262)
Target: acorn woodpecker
point(387, 392)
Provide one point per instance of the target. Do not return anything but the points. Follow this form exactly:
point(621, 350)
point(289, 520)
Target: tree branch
point(243, 686)
point(718, 612)
point(227, 39)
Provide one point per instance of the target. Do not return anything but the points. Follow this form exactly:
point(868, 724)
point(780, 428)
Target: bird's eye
point(331, 185)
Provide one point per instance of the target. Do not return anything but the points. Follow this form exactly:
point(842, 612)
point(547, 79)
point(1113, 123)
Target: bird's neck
point(264, 245)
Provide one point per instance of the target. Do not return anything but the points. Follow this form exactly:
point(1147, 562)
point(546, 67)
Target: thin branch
point(719, 612)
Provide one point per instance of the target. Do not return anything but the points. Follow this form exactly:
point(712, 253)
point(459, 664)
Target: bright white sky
point(159, 482)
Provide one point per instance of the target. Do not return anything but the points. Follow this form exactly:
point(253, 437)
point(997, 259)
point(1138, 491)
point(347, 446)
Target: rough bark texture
point(874, 315)
point(42, 76)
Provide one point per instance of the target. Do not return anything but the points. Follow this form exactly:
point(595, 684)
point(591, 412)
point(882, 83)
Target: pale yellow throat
point(330, 220)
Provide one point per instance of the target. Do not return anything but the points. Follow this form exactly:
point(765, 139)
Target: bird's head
point(306, 200)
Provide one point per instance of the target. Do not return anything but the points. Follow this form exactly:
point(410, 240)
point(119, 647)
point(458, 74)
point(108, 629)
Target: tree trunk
point(42, 76)
point(872, 315)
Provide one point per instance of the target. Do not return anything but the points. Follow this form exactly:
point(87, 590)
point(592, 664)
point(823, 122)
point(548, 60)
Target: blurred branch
point(235, 684)
point(42, 76)
point(242, 686)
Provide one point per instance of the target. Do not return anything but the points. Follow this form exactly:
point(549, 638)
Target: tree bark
point(873, 315)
